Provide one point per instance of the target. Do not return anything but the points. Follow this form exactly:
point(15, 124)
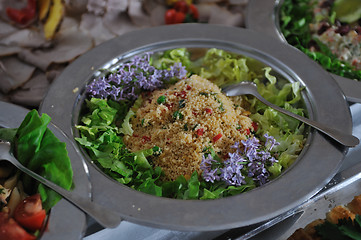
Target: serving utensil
point(103, 216)
point(246, 87)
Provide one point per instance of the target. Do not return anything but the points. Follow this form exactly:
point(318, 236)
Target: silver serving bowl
point(317, 163)
point(263, 16)
point(65, 220)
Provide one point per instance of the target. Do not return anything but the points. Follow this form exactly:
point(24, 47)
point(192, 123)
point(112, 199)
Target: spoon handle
point(341, 137)
point(105, 217)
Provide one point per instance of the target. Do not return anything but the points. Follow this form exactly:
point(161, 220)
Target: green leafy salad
point(38, 149)
point(113, 99)
point(328, 31)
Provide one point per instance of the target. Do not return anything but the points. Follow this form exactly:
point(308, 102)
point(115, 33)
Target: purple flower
point(132, 77)
point(99, 87)
point(250, 144)
point(211, 175)
point(270, 141)
point(231, 172)
point(207, 162)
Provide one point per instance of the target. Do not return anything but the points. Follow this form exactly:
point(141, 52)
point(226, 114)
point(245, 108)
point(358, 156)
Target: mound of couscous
point(183, 120)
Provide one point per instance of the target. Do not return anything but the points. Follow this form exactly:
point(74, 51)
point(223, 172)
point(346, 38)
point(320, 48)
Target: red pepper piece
point(145, 139)
point(200, 131)
point(23, 16)
point(208, 110)
point(217, 137)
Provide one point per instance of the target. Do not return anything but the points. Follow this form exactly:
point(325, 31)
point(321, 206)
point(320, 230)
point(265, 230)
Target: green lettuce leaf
point(38, 149)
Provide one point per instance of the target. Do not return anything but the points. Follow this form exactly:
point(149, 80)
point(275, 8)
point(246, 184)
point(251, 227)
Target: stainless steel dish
point(263, 16)
point(318, 162)
point(65, 221)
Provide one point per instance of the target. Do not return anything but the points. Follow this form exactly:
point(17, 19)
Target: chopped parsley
point(177, 115)
point(161, 99)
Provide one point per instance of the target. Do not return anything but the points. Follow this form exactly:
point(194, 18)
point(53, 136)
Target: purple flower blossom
point(252, 162)
point(209, 174)
point(270, 142)
point(231, 173)
point(132, 77)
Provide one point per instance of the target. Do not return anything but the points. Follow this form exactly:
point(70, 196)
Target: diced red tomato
point(24, 15)
point(188, 87)
point(30, 213)
point(200, 131)
point(217, 137)
point(247, 131)
point(11, 230)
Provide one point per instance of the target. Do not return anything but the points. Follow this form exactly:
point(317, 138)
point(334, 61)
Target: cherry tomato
point(169, 16)
point(172, 16)
point(181, 6)
point(30, 213)
point(194, 11)
point(11, 230)
point(179, 17)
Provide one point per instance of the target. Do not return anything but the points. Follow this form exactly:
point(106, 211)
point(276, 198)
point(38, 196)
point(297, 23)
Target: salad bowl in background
point(318, 162)
point(65, 220)
point(264, 17)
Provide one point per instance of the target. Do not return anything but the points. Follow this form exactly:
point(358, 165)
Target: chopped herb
point(142, 122)
point(182, 103)
point(156, 151)
point(185, 127)
point(161, 99)
point(177, 115)
point(195, 126)
point(207, 94)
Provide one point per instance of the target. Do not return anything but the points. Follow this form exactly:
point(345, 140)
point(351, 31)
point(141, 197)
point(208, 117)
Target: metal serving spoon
point(104, 216)
point(243, 88)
